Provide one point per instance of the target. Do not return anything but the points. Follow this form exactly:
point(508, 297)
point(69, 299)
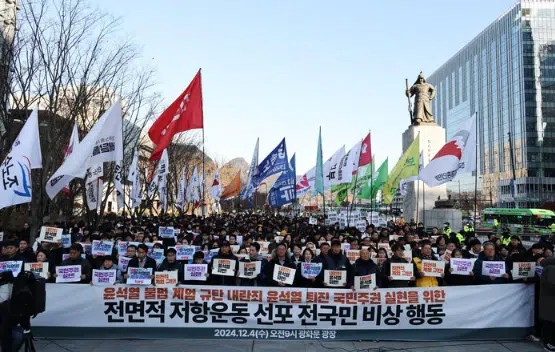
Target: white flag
point(305, 183)
point(16, 186)
point(103, 143)
point(118, 185)
point(216, 188)
point(163, 193)
point(194, 186)
point(73, 142)
point(161, 171)
point(180, 199)
point(453, 157)
point(252, 175)
point(134, 177)
point(93, 187)
point(348, 165)
point(331, 167)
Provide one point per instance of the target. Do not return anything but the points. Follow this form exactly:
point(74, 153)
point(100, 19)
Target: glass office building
point(507, 76)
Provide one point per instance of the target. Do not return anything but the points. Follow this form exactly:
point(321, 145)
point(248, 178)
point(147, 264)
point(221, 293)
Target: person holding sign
point(171, 264)
point(280, 257)
point(458, 279)
point(426, 253)
point(75, 259)
point(300, 279)
point(224, 253)
point(337, 261)
point(365, 266)
point(108, 264)
point(142, 261)
point(397, 257)
point(253, 256)
point(488, 255)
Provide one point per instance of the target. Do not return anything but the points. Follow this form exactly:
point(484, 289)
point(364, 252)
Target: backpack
point(28, 295)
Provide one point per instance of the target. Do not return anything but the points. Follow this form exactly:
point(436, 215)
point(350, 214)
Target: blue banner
point(284, 189)
point(274, 163)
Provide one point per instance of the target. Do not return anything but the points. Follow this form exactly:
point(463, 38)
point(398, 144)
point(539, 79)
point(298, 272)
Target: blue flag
point(274, 163)
point(284, 189)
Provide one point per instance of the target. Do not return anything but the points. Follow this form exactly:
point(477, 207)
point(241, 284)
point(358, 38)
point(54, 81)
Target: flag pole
point(476, 176)
point(203, 171)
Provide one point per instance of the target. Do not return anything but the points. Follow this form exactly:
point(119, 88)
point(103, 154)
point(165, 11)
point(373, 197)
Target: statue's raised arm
point(423, 93)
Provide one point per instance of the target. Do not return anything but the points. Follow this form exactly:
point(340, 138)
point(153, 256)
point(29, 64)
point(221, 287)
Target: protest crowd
point(259, 250)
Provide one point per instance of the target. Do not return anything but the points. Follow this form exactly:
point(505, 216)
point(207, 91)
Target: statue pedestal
point(419, 196)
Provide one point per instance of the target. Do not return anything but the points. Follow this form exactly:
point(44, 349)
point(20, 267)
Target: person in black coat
point(171, 264)
point(224, 253)
point(280, 256)
point(365, 266)
point(397, 257)
point(300, 280)
point(457, 280)
point(336, 260)
point(26, 251)
point(142, 261)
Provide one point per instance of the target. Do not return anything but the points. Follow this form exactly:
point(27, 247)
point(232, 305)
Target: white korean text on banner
point(300, 313)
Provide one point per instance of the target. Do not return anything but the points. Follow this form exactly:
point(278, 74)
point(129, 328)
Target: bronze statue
point(424, 93)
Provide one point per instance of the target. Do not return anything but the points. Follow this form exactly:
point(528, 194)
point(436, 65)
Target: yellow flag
point(406, 166)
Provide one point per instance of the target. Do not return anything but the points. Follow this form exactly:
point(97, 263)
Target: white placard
point(13, 266)
point(139, 276)
point(38, 268)
point(69, 273)
point(249, 270)
point(122, 263)
point(353, 255)
point(312, 221)
point(102, 248)
point(447, 255)
point(264, 247)
point(310, 270)
point(103, 277)
point(433, 268)
point(195, 272)
point(165, 278)
point(284, 274)
point(335, 278)
point(50, 234)
point(401, 271)
point(523, 270)
point(184, 252)
point(66, 240)
point(462, 266)
point(495, 269)
point(166, 232)
point(235, 248)
point(224, 267)
point(365, 282)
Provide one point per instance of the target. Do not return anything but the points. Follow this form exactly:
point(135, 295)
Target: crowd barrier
point(212, 312)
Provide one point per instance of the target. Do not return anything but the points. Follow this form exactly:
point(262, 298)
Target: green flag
point(371, 188)
point(319, 177)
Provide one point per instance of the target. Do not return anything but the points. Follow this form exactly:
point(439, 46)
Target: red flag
point(365, 152)
point(184, 114)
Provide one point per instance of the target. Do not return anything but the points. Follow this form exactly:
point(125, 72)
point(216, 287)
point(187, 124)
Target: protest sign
point(264, 247)
point(433, 268)
point(225, 267)
point(66, 240)
point(523, 270)
point(122, 263)
point(447, 255)
point(284, 274)
point(393, 237)
point(345, 246)
point(112, 308)
point(195, 272)
point(184, 252)
point(360, 225)
point(312, 221)
point(365, 282)
point(386, 247)
point(249, 270)
point(165, 278)
point(310, 270)
point(69, 273)
point(1, 236)
point(102, 248)
point(462, 266)
point(407, 255)
point(13, 266)
point(539, 270)
point(401, 271)
point(210, 254)
point(496, 269)
point(50, 234)
point(103, 277)
point(235, 248)
point(122, 248)
point(38, 268)
point(353, 255)
point(139, 276)
point(166, 232)
point(157, 254)
point(335, 278)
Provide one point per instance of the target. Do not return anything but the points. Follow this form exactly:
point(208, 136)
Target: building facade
point(506, 75)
